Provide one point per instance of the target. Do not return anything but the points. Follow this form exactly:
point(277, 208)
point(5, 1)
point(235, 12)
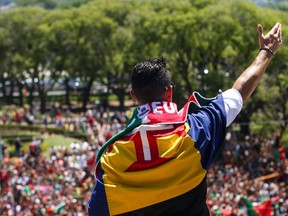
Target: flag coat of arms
point(156, 157)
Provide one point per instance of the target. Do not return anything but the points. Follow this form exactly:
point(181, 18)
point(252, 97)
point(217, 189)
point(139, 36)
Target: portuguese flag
point(261, 209)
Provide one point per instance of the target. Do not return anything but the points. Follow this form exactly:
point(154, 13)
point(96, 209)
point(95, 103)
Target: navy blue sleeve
point(97, 204)
point(208, 129)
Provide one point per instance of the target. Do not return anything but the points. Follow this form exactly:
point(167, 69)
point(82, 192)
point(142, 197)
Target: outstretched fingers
point(260, 35)
point(276, 32)
point(279, 34)
point(271, 40)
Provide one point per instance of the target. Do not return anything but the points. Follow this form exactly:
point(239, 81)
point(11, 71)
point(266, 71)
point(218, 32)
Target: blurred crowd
point(251, 168)
point(57, 185)
point(98, 123)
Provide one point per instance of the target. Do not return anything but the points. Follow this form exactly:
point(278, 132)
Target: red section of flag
point(156, 159)
point(136, 166)
point(264, 209)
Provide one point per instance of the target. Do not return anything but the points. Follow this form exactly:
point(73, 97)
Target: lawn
point(56, 140)
point(48, 141)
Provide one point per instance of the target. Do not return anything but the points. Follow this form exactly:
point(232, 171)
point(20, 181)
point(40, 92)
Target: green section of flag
point(133, 123)
point(250, 207)
point(59, 208)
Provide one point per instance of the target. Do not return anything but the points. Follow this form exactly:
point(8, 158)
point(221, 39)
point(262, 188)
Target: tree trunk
point(244, 119)
point(42, 102)
point(20, 102)
point(120, 93)
point(4, 91)
point(86, 94)
point(31, 96)
point(67, 92)
point(11, 97)
point(42, 95)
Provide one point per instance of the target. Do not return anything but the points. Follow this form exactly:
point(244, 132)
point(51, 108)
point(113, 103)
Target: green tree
point(191, 39)
point(61, 40)
point(51, 4)
point(271, 99)
point(249, 16)
point(47, 4)
point(90, 38)
point(102, 40)
point(120, 51)
point(30, 60)
point(19, 26)
point(5, 44)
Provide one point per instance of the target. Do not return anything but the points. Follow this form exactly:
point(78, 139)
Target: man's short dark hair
point(150, 79)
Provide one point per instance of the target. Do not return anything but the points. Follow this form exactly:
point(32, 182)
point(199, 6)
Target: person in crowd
point(158, 164)
point(18, 146)
point(32, 184)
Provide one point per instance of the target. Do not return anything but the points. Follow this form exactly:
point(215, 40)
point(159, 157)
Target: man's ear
point(168, 94)
point(133, 95)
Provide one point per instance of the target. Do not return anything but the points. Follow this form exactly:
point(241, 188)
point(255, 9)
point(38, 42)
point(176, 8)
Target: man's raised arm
point(249, 79)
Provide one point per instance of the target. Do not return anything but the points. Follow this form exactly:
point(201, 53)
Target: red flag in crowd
point(264, 209)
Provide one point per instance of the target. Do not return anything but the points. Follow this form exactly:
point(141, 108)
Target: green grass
point(56, 140)
point(48, 141)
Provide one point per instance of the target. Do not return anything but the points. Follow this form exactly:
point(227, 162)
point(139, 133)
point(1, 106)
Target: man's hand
point(272, 40)
point(250, 78)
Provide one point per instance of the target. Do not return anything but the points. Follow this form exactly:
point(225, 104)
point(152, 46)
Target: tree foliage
point(206, 44)
point(51, 4)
